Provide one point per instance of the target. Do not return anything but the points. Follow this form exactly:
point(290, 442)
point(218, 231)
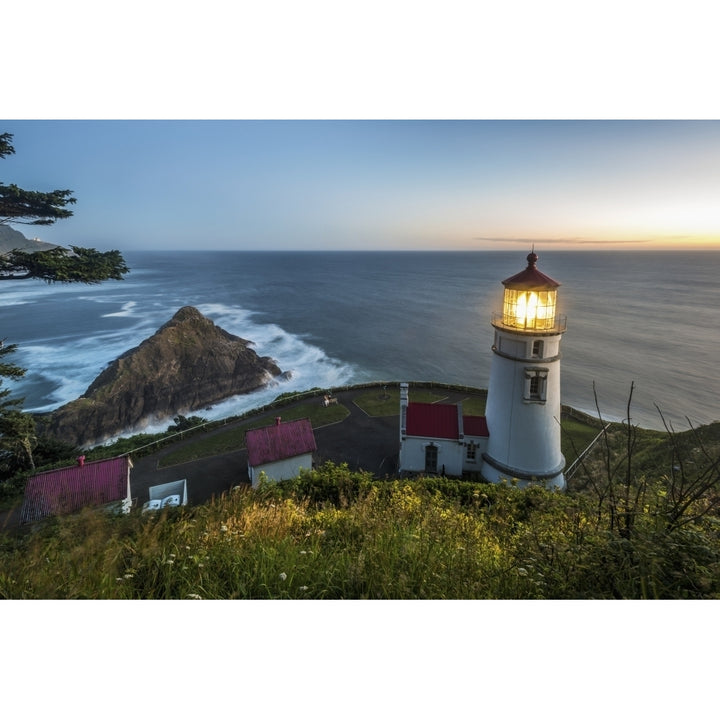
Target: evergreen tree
point(85, 265)
point(30, 207)
point(17, 429)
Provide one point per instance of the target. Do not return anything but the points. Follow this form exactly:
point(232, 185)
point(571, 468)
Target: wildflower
point(303, 552)
point(172, 555)
point(223, 528)
point(304, 587)
point(522, 571)
point(116, 579)
point(127, 576)
point(194, 596)
point(283, 576)
point(169, 562)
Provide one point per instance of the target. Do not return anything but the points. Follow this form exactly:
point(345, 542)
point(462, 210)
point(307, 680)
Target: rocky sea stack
point(188, 364)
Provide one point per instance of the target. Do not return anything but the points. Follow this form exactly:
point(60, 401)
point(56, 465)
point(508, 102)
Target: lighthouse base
point(495, 472)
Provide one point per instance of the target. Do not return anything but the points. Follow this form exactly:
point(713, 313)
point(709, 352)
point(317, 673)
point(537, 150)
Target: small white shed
point(280, 450)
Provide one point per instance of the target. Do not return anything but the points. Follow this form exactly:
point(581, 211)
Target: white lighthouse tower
point(523, 403)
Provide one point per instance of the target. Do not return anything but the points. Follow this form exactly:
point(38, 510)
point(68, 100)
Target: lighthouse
point(523, 403)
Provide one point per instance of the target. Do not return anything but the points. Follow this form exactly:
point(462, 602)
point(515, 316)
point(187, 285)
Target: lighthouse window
point(537, 348)
point(536, 385)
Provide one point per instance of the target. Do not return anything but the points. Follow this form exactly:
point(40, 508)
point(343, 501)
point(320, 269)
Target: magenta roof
point(432, 420)
point(435, 420)
point(59, 492)
point(279, 442)
point(475, 425)
point(530, 278)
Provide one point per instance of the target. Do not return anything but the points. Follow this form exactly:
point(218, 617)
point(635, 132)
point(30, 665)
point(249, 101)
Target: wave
point(126, 311)
point(62, 371)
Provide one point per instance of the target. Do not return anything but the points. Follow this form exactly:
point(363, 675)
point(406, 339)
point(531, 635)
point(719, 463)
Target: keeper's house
point(99, 484)
point(438, 438)
point(280, 450)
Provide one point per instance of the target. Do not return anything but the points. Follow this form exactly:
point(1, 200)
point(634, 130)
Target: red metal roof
point(475, 425)
point(279, 442)
point(435, 420)
point(530, 278)
point(432, 420)
point(58, 492)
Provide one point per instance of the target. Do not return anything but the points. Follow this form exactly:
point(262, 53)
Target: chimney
point(403, 409)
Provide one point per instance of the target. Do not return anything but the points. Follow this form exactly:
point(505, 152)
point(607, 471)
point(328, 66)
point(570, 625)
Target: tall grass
point(333, 533)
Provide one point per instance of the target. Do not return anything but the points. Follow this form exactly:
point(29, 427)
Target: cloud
point(557, 241)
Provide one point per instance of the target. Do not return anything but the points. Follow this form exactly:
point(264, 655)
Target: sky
point(374, 184)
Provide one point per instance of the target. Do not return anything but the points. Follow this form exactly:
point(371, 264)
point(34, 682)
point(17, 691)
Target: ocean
point(338, 318)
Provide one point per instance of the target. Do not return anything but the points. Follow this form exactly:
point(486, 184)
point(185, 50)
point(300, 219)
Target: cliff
point(188, 364)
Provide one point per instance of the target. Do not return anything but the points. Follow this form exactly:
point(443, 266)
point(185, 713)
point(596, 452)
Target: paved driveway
point(363, 442)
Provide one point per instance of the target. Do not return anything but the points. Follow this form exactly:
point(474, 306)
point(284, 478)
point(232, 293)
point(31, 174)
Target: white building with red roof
point(102, 483)
point(280, 451)
point(436, 438)
point(519, 439)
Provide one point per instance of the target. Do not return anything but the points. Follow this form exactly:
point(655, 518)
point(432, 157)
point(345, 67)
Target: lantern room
point(529, 302)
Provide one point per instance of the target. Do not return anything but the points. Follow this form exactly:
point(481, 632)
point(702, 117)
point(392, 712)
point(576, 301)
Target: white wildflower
point(522, 571)
point(194, 596)
point(283, 576)
point(304, 587)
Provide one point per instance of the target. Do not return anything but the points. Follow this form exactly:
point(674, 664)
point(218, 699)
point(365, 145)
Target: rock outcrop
point(188, 364)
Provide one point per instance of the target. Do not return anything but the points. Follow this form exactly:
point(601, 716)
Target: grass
point(231, 439)
point(386, 402)
point(332, 533)
point(376, 403)
point(576, 436)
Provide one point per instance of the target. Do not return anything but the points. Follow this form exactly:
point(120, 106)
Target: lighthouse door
point(431, 456)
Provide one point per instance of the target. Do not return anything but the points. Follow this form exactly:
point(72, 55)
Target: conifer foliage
point(31, 207)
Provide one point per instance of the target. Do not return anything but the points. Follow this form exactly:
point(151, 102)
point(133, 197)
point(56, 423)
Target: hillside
point(644, 526)
point(333, 533)
point(11, 239)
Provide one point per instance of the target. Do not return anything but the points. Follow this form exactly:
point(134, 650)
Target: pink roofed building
point(280, 451)
point(439, 438)
point(103, 483)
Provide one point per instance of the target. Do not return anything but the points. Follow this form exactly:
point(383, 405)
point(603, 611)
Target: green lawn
point(576, 436)
point(386, 403)
point(233, 438)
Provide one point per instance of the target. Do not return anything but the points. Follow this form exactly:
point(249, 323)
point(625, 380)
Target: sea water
point(647, 319)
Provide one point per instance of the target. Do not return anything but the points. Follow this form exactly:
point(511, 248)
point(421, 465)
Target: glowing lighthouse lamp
point(523, 404)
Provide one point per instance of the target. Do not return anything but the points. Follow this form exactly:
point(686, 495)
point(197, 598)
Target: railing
point(572, 469)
